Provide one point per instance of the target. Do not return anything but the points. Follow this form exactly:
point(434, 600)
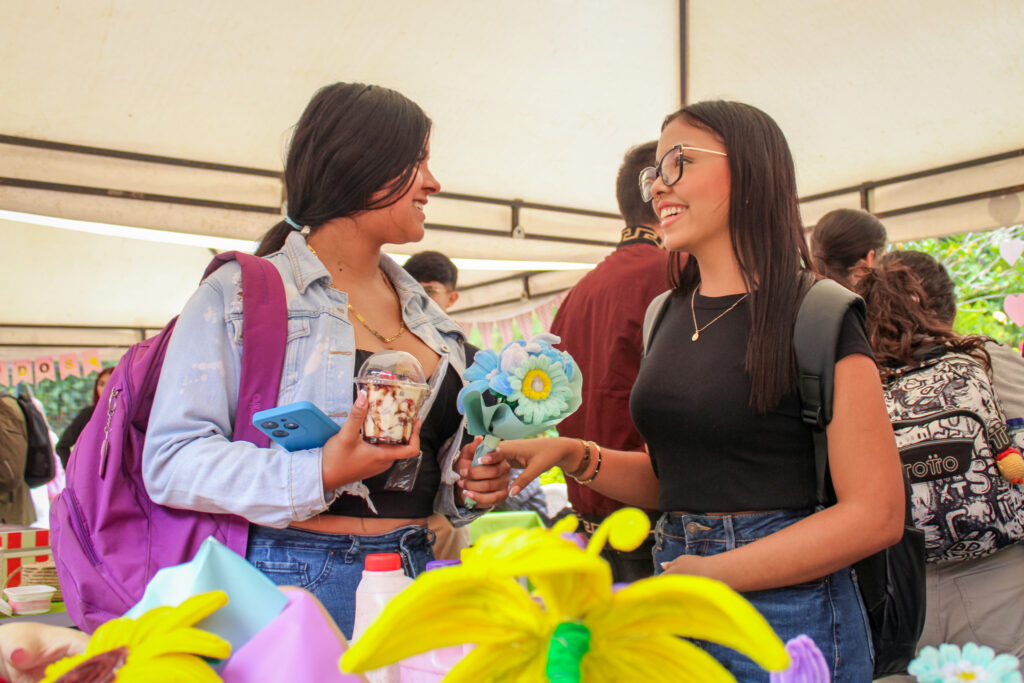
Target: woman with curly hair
point(970, 515)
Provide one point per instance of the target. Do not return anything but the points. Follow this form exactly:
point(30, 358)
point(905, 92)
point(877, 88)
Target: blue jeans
point(829, 610)
point(330, 565)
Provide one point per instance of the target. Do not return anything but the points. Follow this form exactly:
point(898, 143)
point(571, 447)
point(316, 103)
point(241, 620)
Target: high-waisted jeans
point(829, 610)
point(330, 565)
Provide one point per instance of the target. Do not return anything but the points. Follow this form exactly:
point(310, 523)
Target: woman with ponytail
point(846, 243)
point(357, 178)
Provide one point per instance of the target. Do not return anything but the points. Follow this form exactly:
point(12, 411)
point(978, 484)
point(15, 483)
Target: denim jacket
point(189, 460)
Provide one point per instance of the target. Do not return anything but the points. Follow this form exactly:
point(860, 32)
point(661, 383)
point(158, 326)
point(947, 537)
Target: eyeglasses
point(670, 168)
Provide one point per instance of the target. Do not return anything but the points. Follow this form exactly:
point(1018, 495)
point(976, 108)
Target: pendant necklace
point(693, 312)
point(361, 319)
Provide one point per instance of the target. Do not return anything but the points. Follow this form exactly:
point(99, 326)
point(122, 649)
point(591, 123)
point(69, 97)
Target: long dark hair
point(352, 141)
point(902, 325)
point(767, 239)
point(842, 238)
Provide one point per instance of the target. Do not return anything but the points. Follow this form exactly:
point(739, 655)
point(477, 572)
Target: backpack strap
point(819, 321)
point(653, 316)
point(264, 334)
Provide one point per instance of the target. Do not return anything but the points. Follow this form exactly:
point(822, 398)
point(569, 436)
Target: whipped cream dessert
point(392, 412)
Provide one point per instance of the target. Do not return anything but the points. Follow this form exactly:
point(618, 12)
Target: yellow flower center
point(967, 676)
point(536, 385)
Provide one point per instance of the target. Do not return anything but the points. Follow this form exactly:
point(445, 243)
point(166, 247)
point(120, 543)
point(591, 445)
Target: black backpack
point(891, 582)
point(39, 464)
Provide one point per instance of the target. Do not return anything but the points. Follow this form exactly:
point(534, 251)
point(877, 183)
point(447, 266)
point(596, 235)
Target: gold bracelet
point(585, 463)
point(588, 482)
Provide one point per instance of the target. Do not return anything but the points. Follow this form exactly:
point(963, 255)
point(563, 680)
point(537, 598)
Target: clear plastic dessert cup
point(396, 390)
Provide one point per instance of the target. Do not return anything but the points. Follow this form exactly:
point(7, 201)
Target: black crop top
point(710, 450)
point(440, 424)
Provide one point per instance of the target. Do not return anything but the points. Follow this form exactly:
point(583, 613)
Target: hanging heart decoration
point(1011, 250)
point(1014, 307)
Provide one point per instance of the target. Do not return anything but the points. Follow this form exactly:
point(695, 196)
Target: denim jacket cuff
point(306, 485)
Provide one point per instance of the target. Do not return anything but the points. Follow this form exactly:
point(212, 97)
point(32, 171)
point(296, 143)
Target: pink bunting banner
point(545, 315)
point(467, 327)
point(69, 367)
point(507, 331)
point(90, 362)
point(525, 323)
point(5, 374)
point(21, 371)
point(486, 333)
point(45, 369)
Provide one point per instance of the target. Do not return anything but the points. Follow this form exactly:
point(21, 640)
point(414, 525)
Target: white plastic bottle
point(382, 580)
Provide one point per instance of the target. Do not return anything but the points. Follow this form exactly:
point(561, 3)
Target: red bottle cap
point(383, 562)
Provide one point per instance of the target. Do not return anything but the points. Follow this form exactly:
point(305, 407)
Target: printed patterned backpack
point(950, 429)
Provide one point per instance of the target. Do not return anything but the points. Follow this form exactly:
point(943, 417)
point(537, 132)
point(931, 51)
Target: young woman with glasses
point(357, 178)
point(729, 461)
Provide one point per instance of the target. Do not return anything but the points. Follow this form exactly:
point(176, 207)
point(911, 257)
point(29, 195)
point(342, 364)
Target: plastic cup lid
point(391, 366)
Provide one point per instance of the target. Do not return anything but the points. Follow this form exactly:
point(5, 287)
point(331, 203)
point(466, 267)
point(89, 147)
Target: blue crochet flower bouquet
point(527, 388)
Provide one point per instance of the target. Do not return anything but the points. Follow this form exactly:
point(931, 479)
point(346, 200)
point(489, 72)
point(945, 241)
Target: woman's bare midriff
point(357, 526)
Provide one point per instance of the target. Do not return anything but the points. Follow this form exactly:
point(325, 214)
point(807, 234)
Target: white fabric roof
point(534, 100)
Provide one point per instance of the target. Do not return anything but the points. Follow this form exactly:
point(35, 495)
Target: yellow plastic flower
point(583, 632)
point(161, 645)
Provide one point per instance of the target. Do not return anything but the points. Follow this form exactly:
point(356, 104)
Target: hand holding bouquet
point(527, 388)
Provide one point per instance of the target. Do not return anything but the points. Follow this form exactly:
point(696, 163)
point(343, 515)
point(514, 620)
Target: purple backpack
point(108, 536)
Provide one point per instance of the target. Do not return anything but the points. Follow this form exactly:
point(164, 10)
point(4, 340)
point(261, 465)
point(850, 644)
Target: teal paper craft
point(253, 599)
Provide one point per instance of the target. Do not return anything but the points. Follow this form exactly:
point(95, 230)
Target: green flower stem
point(568, 644)
point(489, 444)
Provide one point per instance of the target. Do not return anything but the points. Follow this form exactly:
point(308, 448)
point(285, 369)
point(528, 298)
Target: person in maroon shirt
point(600, 325)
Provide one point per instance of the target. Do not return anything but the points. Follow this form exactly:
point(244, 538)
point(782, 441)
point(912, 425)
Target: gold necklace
point(375, 333)
point(693, 312)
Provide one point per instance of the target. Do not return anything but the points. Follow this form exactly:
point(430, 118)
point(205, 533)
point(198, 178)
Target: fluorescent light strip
point(481, 264)
point(123, 231)
point(227, 243)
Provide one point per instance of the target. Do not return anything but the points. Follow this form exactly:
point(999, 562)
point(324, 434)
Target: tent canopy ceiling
point(534, 100)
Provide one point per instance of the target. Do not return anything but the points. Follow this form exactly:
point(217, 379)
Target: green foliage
point(983, 279)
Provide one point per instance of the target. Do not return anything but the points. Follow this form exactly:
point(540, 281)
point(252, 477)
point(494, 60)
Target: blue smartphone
point(296, 426)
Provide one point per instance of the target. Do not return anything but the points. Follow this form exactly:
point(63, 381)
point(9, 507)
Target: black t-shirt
point(711, 451)
point(438, 426)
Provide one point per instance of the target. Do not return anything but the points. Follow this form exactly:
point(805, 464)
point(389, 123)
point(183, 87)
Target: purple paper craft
point(807, 664)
